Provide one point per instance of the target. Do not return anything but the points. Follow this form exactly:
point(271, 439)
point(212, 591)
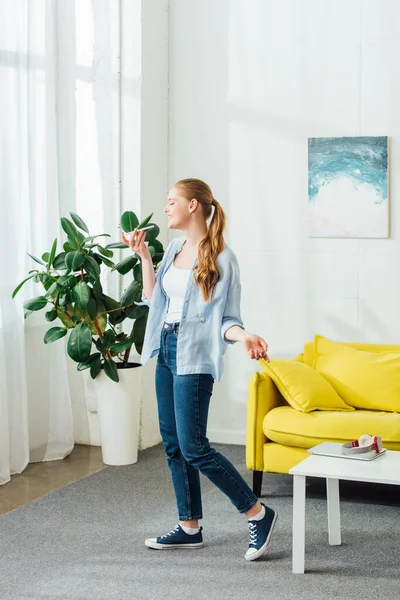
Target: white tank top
point(175, 283)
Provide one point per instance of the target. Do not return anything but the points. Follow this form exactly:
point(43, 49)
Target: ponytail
point(209, 249)
point(206, 273)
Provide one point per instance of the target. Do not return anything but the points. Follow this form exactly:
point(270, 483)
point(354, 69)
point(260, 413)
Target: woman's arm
point(255, 346)
point(149, 277)
point(136, 242)
point(232, 324)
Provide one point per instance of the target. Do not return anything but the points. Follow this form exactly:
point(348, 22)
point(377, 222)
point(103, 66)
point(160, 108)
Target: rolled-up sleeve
point(231, 314)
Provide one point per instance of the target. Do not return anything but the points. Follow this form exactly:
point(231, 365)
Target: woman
point(194, 314)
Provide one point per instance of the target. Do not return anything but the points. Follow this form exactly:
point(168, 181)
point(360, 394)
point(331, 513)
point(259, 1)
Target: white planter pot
point(118, 407)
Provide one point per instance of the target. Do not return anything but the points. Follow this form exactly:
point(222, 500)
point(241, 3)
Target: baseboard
point(226, 436)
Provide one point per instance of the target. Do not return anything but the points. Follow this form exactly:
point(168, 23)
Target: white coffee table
point(384, 469)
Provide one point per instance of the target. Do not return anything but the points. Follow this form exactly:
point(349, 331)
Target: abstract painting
point(348, 187)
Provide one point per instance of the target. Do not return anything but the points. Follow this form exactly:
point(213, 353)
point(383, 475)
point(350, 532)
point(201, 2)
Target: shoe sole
point(158, 546)
point(263, 548)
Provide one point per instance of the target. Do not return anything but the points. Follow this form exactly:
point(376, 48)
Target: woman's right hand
point(136, 242)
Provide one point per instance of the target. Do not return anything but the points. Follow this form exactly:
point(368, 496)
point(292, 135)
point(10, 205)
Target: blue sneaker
point(260, 534)
point(177, 538)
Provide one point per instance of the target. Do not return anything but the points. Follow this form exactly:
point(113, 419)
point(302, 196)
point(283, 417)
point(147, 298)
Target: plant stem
point(106, 312)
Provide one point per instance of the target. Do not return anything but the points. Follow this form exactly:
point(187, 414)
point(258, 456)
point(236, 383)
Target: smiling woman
point(190, 325)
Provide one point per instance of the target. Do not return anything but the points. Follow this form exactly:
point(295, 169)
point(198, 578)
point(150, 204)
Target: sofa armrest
point(263, 396)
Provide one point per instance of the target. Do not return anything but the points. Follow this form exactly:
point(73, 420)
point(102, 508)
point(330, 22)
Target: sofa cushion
point(368, 380)
point(285, 425)
point(308, 355)
point(302, 387)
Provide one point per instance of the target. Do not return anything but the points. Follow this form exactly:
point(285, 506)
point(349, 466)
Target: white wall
point(249, 82)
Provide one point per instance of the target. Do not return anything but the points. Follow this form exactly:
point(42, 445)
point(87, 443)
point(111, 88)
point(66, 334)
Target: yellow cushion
point(369, 380)
point(302, 387)
point(287, 426)
point(309, 349)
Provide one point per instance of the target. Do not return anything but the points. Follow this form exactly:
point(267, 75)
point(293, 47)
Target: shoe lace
point(253, 533)
point(172, 532)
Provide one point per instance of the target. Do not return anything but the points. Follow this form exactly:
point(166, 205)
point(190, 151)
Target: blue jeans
point(183, 402)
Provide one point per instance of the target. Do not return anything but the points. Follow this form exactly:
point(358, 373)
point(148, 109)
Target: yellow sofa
point(278, 435)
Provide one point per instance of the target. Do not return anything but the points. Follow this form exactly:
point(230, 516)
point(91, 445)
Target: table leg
point(332, 493)
point(299, 518)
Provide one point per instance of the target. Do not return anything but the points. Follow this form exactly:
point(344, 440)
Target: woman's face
point(177, 210)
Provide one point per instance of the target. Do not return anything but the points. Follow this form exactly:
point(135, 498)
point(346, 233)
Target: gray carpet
point(85, 542)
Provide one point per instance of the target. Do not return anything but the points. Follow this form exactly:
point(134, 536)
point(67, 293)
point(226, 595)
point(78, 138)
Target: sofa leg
point(257, 482)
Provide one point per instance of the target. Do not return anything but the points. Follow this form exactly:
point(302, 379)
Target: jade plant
point(73, 294)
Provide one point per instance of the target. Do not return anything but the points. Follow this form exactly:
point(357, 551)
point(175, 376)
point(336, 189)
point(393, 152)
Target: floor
point(40, 479)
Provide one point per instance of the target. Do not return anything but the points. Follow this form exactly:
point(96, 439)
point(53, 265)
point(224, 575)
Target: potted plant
point(93, 322)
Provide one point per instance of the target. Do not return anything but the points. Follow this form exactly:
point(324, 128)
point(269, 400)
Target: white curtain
point(59, 152)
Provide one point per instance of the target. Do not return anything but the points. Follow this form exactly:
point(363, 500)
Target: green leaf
point(59, 262)
point(105, 251)
point(110, 369)
point(19, 286)
point(66, 281)
point(52, 253)
point(151, 234)
point(157, 245)
point(152, 251)
point(80, 343)
point(75, 260)
point(108, 338)
point(109, 263)
point(76, 242)
point(117, 317)
point(128, 295)
point(51, 315)
point(129, 221)
point(79, 222)
point(135, 312)
point(29, 312)
point(92, 267)
point(92, 308)
point(93, 237)
point(110, 303)
point(95, 368)
point(139, 328)
point(45, 256)
point(97, 289)
point(81, 295)
point(69, 228)
point(88, 363)
point(121, 346)
point(36, 259)
point(126, 265)
point(115, 245)
point(137, 273)
point(53, 334)
point(70, 247)
point(51, 290)
point(42, 277)
point(36, 303)
point(64, 298)
point(97, 258)
point(145, 221)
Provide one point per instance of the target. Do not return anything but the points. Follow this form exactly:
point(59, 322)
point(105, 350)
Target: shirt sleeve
point(231, 314)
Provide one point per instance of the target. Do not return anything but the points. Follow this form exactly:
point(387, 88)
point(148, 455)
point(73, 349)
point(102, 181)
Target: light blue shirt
point(201, 341)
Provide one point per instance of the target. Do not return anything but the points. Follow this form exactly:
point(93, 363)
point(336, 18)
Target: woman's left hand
point(256, 346)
